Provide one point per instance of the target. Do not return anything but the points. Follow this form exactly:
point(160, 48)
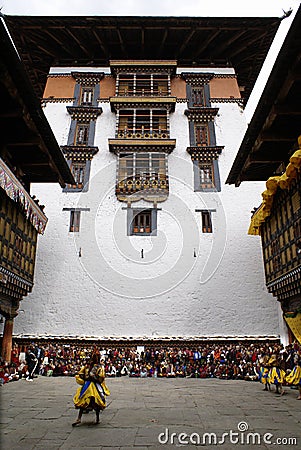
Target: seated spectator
point(143, 372)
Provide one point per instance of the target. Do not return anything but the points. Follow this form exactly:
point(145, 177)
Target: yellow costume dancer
point(92, 386)
point(276, 374)
point(264, 371)
point(92, 391)
point(294, 377)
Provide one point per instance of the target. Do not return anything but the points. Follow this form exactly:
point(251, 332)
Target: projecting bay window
point(142, 123)
point(143, 85)
point(82, 134)
point(74, 221)
point(141, 171)
point(86, 96)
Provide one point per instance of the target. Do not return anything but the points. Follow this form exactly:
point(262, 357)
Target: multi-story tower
point(150, 240)
point(151, 243)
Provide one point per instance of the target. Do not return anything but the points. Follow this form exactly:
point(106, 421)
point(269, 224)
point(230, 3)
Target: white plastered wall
point(188, 284)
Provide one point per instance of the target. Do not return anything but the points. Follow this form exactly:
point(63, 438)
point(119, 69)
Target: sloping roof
point(26, 139)
point(238, 42)
point(272, 134)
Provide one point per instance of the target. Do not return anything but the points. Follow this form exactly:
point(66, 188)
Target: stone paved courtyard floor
point(39, 415)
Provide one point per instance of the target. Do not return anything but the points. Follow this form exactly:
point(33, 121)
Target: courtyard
point(150, 413)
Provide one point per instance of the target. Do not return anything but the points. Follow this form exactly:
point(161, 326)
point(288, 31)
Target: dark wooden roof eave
point(271, 101)
point(239, 42)
point(58, 169)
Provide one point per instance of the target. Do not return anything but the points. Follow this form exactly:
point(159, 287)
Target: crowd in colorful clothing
point(270, 363)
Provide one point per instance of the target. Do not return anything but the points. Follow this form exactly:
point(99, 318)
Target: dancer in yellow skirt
point(294, 377)
point(276, 374)
point(93, 390)
point(264, 372)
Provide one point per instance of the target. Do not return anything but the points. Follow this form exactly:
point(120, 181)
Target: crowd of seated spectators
point(229, 361)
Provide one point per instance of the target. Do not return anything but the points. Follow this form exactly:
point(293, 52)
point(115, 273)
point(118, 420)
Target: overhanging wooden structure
point(237, 42)
point(27, 142)
point(271, 137)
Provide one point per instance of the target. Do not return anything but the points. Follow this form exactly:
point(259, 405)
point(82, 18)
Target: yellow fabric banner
point(294, 324)
point(283, 182)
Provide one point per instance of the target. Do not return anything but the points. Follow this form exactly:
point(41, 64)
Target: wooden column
point(7, 339)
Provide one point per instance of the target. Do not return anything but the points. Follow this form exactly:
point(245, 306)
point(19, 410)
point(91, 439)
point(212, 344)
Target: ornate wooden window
point(74, 221)
point(126, 85)
point(17, 255)
point(142, 175)
point(143, 85)
point(281, 241)
point(197, 89)
point(18, 239)
point(82, 134)
point(78, 170)
point(276, 259)
point(141, 222)
point(126, 123)
point(141, 171)
point(206, 173)
point(198, 96)
point(201, 134)
point(206, 222)
point(142, 123)
point(87, 96)
point(79, 159)
point(160, 85)
point(159, 122)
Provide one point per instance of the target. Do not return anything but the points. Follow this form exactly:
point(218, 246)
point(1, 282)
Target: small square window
point(206, 222)
point(142, 222)
point(74, 221)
